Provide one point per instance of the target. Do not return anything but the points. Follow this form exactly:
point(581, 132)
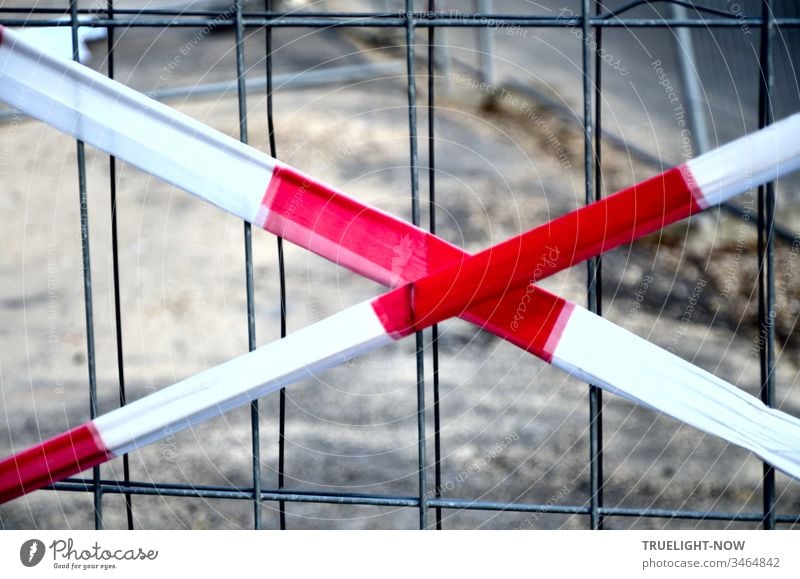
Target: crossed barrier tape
point(437, 281)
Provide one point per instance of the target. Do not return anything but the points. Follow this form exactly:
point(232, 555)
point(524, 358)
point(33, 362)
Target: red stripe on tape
point(393, 252)
point(543, 251)
point(54, 459)
point(530, 318)
point(339, 228)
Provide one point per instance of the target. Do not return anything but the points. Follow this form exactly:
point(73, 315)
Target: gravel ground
point(513, 428)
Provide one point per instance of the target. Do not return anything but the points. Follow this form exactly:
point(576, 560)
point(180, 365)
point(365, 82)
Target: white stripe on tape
point(116, 119)
point(747, 162)
point(322, 345)
point(601, 353)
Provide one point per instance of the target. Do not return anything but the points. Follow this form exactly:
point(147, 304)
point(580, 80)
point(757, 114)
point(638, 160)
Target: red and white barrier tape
point(341, 228)
point(200, 160)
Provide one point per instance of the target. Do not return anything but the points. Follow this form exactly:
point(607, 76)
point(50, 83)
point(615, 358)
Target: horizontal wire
point(289, 495)
point(188, 20)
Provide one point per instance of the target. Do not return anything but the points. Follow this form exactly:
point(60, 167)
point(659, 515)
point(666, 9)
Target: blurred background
point(508, 105)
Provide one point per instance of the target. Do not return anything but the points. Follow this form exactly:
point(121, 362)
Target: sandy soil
point(513, 428)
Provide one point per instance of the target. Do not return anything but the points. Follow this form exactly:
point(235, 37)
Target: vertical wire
point(281, 278)
point(766, 256)
point(595, 288)
point(87, 281)
point(593, 271)
point(437, 425)
point(415, 217)
point(112, 183)
point(596, 394)
point(248, 266)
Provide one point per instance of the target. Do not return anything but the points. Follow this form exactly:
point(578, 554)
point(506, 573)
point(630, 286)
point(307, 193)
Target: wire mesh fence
point(449, 89)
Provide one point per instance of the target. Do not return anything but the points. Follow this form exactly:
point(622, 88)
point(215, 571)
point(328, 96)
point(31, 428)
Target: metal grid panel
point(420, 24)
